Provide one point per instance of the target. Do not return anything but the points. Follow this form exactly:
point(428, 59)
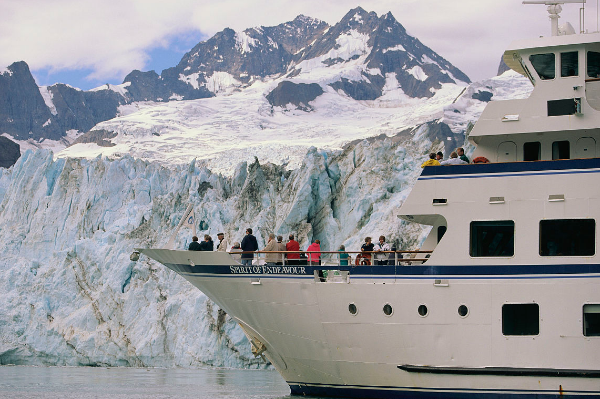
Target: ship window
point(544, 65)
point(387, 309)
point(561, 150)
point(521, 319)
point(593, 64)
point(591, 320)
point(352, 309)
point(567, 237)
point(441, 230)
point(492, 238)
point(569, 64)
point(532, 151)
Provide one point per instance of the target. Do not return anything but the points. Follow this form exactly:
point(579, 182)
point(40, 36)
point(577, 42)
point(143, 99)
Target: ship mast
point(554, 9)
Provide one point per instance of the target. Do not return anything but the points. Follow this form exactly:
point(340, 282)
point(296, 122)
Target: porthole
point(387, 309)
point(422, 310)
point(463, 311)
point(352, 309)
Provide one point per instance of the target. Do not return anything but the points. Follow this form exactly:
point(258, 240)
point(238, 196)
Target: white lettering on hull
point(267, 269)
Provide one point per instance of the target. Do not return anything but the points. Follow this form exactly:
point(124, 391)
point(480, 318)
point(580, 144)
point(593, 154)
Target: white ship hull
point(320, 348)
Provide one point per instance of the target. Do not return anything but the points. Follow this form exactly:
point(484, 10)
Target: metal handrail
point(397, 260)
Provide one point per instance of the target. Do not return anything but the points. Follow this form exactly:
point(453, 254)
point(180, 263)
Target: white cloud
point(113, 37)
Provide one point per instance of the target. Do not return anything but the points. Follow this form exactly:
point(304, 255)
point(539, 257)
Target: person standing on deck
point(195, 245)
point(281, 248)
point(431, 161)
point(314, 258)
point(381, 258)
point(223, 244)
point(207, 244)
point(461, 154)
point(345, 259)
point(293, 258)
point(249, 243)
point(271, 259)
point(366, 249)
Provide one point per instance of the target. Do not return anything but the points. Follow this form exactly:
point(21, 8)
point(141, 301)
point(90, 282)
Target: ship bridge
point(564, 105)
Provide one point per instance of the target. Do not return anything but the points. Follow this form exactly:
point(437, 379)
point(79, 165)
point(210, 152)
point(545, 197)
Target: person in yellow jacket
point(431, 161)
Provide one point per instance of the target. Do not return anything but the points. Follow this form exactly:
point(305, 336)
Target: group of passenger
point(457, 157)
point(207, 244)
point(275, 248)
point(378, 250)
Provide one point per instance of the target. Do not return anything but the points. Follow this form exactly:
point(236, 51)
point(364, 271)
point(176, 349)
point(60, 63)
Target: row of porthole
point(463, 310)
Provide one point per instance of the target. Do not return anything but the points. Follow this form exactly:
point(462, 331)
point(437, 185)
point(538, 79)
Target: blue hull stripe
point(584, 270)
point(568, 166)
point(355, 391)
point(509, 175)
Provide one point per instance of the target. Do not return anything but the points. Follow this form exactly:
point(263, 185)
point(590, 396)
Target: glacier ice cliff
point(71, 295)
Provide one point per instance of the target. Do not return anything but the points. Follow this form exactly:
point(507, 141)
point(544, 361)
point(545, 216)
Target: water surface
point(20, 382)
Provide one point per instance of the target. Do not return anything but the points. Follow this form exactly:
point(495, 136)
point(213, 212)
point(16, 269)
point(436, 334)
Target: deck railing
point(333, 258)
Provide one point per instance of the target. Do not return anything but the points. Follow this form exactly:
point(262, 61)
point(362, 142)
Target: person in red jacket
point(313, 258)
point(291, 245)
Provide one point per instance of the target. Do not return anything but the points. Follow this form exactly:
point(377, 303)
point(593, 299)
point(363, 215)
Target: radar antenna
point(554, 9)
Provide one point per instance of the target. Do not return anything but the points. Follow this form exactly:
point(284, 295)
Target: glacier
point(68, 225)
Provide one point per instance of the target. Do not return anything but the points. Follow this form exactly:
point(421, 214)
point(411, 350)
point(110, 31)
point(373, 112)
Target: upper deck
point(508, 213)
point(565, 72)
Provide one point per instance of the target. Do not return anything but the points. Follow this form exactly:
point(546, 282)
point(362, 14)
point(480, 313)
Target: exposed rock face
point(82, 110)
point(100, 137)
point(23, 112)
point(298, 94)
point(483, 95)
point(31, 112)
point(9, 152)
point(502, 67)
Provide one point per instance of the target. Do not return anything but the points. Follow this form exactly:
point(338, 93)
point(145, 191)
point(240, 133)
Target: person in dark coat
point(195, 245)
point(207, 244)
point(461, 154)
point(249, 243)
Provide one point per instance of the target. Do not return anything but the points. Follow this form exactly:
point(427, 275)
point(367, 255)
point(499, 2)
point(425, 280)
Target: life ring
point(363, 260)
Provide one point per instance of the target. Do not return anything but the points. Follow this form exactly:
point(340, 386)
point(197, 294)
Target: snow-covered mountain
point(362, 57)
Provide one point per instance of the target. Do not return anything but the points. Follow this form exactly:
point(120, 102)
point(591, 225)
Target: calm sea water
point(20, 382)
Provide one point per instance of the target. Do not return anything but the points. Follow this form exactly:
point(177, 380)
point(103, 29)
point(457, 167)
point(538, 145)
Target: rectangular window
point(568, 237)
point(544, 65)
point(567, 106)
point(593, 64)
point(561, 150)
point(569, 64)
point(492, 238)
point(591, 320)
point(532, 151)
point(521, 319)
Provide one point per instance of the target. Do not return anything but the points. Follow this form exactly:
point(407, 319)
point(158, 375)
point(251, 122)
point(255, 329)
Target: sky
point(87, 43)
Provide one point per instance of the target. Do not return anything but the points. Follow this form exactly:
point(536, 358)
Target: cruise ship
point(503, 298)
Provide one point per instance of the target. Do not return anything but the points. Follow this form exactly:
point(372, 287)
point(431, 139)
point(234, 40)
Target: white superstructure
point(508, 302)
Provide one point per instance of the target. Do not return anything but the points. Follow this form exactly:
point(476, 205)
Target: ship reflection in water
point(27, 382)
